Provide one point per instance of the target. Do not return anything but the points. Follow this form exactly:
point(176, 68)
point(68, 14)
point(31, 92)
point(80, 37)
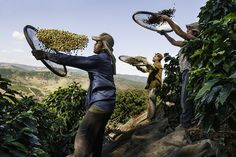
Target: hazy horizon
point(90, 18)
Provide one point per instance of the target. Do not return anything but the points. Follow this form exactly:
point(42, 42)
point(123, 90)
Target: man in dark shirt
point(191, 33)
point(100, 101)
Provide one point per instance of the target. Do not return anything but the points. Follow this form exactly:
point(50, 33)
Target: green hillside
point(39, 81)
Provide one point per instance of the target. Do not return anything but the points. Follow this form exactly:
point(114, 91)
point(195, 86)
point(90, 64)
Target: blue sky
point(91, 17)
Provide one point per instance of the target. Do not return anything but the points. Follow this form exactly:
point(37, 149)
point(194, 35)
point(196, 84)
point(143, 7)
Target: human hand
point(140, 69)
point(39, 54)
point(161, 32)
point(164, 17)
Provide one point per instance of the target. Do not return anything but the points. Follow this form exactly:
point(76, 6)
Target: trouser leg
point(186, 105)
point(83, 141)
point(151, 109)
point(100, 129)
point(89, 137)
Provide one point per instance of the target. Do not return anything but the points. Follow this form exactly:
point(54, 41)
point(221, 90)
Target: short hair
point(159, 55)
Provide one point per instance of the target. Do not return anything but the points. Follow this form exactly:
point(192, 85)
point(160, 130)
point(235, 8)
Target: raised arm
point(177, 29)
point(142, 69)
point(146, 68)
point(172, 40)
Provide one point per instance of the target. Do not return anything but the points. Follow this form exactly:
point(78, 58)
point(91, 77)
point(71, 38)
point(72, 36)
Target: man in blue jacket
point(100, 101)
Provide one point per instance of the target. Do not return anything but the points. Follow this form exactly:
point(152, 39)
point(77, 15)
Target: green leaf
point(217, 61)
point(218, 53)
point(33, 139)
point(9, 138)
point(26, 130)
point(20, 146)
point(233, 76)
point(38, 152)
point(197, 53)
point(211, 95)
point(231, 16)
point(206, 87)
point(228, 66)
point(216, 22)
point(224, 94)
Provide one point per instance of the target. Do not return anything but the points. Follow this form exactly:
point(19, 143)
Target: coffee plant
point(67, 107)
point(19, 134)
point(129, 103)
point(213, 55)
point(171, 88)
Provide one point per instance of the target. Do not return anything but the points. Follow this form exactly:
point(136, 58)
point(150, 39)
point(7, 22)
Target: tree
point(213, 55)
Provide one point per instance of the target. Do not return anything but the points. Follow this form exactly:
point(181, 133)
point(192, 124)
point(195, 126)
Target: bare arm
point(173, 41)
point(145, 68)
point(142, 69)
point(177, 29)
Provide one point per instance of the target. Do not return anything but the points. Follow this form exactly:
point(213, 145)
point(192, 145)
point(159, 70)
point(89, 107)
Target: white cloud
point(17, 55)
point(18, 35)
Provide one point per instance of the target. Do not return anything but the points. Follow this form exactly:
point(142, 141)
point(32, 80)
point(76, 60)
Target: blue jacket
point(102, 88)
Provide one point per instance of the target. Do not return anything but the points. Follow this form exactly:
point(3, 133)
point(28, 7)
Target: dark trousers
point(89, 138)
point(186, 105)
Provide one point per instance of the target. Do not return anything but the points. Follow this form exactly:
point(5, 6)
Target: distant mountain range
point(39, 81)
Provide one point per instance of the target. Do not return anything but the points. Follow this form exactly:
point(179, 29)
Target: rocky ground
point(141, 138)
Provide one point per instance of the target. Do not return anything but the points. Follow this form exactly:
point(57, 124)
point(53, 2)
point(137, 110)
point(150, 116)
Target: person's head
point(157, 57)
point(103, 42)
point(193, 29)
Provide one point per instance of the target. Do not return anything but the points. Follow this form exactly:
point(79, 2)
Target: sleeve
point(157, 66)
point(81, 62)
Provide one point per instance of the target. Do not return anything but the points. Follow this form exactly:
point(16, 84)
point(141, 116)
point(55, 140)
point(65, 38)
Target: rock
point(136, 140)
point(204, 148)
point(160, 147)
